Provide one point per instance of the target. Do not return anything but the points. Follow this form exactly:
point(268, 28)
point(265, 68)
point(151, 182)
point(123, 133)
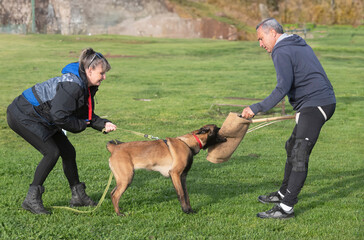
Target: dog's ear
point(211, 129)
point(203, 130)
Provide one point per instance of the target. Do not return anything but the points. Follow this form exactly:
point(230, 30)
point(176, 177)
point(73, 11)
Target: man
point(301, 77)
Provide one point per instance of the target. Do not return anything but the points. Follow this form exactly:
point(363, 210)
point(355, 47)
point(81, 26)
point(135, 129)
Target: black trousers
point(56, 146)
point(308, 127)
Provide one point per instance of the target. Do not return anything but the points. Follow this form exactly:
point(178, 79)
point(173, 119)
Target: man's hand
point(109, 127)
point(247, 113)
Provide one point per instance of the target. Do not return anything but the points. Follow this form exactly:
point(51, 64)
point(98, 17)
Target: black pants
point(307, 130)
point(56, 146)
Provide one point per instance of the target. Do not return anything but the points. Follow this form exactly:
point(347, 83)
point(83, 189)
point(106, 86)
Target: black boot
point(79, 196)
point(33, 201)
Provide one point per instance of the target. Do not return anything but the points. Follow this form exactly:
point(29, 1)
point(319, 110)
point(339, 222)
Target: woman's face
point(95, 76)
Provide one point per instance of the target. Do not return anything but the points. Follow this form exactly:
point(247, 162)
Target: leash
point(136, 133)
point(264, 122)
point(262, 125)
point(267, 121)
point(98, 204)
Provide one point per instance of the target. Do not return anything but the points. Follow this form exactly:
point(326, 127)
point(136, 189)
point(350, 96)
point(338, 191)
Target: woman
point(64, 102)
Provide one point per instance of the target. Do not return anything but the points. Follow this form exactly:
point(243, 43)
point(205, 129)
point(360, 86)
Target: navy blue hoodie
point(300, 76)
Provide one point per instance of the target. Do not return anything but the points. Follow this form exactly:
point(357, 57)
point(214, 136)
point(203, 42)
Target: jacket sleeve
point(97, 122)
point(284, 69)
point(68, 97)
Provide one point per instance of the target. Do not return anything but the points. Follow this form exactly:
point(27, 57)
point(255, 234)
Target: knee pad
point(289, 145)
point(300, 155)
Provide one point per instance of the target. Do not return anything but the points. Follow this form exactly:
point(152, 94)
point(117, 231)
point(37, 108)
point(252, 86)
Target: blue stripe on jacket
point(29, 95)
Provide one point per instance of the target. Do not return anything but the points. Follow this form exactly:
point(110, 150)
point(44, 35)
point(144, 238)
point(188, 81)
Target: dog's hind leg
point(116, 195)
point(123, 174)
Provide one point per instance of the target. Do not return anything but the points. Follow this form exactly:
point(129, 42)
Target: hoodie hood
point(293, 40)
point(72, 68)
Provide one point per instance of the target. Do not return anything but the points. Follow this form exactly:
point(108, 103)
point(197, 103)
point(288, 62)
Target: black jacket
point(58, 103)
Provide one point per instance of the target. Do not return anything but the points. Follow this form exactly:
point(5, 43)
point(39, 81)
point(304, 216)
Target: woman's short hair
point(270, 23)
point(90, 58)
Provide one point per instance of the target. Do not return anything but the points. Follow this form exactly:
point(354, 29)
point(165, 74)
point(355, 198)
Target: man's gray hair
point(270, 23)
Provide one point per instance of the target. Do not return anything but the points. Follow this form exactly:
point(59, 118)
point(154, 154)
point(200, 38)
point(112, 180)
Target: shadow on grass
point(337, 185)
point(215, 185)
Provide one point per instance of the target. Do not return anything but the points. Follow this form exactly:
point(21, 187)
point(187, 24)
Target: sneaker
point(273, 197)
point(276, 212)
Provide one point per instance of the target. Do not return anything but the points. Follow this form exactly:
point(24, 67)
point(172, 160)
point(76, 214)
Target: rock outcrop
point(123, 17)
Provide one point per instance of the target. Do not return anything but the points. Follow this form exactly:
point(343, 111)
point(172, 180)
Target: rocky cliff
point(125, 17)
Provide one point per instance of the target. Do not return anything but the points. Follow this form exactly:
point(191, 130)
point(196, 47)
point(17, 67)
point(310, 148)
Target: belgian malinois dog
point(172, 157)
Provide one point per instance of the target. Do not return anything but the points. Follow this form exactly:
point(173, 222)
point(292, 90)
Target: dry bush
point(324, 12)
point(349, 12)
point(245, 14)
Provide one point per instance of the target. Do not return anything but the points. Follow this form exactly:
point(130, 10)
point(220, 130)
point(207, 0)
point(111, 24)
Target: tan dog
point(171, 157)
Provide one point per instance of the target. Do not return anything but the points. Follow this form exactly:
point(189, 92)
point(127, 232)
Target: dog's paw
point(188, 211)
point(121, 214)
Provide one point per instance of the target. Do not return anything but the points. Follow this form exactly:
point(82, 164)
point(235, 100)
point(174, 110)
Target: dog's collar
point(198, 140)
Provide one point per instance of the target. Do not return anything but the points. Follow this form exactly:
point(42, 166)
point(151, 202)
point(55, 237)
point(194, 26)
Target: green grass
point(184, 79)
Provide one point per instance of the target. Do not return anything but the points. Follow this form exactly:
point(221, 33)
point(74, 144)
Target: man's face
point(266, 38)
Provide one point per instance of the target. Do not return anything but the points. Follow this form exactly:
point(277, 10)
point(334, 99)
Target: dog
point(171, 157)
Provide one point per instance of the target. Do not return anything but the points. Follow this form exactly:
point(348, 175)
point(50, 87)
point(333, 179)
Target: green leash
point(98, 205)
point(151, 137)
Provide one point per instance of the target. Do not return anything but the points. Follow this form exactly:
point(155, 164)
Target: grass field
point(184, 79)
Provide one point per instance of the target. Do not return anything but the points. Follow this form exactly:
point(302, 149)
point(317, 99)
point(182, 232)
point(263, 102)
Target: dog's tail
point(111, 145)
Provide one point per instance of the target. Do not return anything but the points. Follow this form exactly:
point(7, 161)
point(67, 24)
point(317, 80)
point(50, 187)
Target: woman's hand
point(109, 127)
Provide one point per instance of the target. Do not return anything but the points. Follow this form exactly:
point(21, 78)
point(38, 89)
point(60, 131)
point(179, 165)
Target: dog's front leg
point(177, 183)
point(184, 187)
